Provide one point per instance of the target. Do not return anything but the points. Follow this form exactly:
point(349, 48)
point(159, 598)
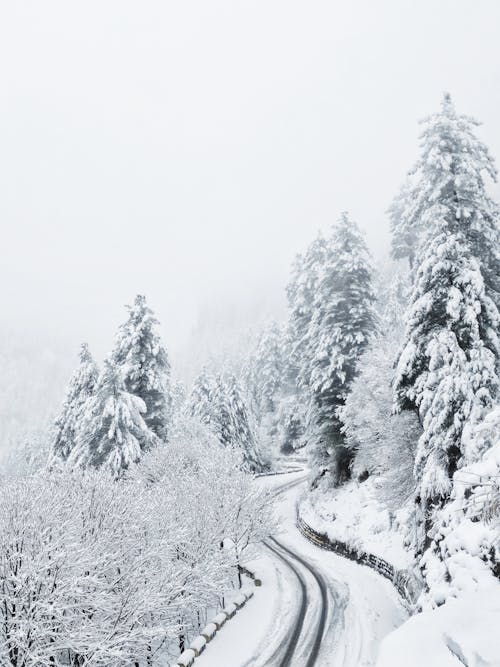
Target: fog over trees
point(250, 308)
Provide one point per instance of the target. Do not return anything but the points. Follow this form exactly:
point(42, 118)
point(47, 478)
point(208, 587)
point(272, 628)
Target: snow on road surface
point(314, 607)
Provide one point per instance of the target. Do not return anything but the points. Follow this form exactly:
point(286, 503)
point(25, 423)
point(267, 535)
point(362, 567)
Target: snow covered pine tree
point(145, 365)
point(300, 293)
point(448, 367)
point(404, 228)
point(239, 432)
point(218, 403)
point(81, 387)
point(113, 433)
point(342, 322)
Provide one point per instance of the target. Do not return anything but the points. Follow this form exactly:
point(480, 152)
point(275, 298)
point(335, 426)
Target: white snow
point(363, 606)
point(463, 631)
point(353, 515)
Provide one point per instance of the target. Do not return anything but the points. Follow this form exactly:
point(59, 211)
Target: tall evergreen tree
point(201, 399)
point(265, 370)
point(301, 293)
point(342, 323)
point(217, 402)
point(447, 366)
point(404, 228)
point(81, 387)
point(145, 366)
point(113, 433)
point(239, 432)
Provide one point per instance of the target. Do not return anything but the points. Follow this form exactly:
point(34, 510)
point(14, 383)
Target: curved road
point(339, 609)
point(315, 608)
point(288, 557)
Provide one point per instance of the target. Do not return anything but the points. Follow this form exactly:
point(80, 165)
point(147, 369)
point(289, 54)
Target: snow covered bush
point(465, 551)
point(111, 573)
point(81, 572)
point(383, 444)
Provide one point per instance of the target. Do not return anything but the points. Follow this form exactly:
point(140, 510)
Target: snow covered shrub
point(82, 570)
point(465, 549)
point(383, 444)
point(207, 481)
point(26, 456)
point(106, 573)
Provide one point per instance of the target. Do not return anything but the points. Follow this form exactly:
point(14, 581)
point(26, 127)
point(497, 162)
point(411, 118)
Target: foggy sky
point(187, 150)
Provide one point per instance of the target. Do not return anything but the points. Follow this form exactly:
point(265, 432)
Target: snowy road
point(314, 607)
point(288, 650)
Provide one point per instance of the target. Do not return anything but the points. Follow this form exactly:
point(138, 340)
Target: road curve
point(323, 589)
point(288, 557)
point(289, 648)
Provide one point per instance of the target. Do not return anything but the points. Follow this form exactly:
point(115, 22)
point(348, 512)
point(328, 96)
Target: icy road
point(314, 607)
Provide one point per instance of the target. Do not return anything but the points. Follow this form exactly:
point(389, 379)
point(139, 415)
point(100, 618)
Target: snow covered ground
point(353, 515)
point(361, 606)
point(461, 632)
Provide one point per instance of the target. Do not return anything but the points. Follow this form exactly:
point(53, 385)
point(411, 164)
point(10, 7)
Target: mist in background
point(188, 150)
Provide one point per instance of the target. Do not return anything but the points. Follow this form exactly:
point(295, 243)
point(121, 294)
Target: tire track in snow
point(297, 628)
point(288, 558)
point(323, 588)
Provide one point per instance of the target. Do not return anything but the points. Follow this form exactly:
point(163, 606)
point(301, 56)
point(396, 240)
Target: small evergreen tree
point(145, 366)
point(342, 323)
point(113, 433)
point(81, 387)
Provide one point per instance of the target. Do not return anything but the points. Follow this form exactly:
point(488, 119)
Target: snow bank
point(463, 631)
point(352, 514)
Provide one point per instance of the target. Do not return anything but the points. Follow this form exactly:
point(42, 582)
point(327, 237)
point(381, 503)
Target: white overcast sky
point(189, 149)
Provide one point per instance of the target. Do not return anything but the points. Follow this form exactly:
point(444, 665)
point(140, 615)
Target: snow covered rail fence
point(186, 659)
point(209, 631)
point(199, 643)
point(406, 582)
point(287, 471)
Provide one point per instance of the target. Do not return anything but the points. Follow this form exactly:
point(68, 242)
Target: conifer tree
point(342, 323)
point(447, 368)
point(265, 370)
point(217, 402)
point(81, 387)
point(145, 366)
point(113, 433)
point(239, 433)
point(201, 399)
point(404, 228)
point(301, 293)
